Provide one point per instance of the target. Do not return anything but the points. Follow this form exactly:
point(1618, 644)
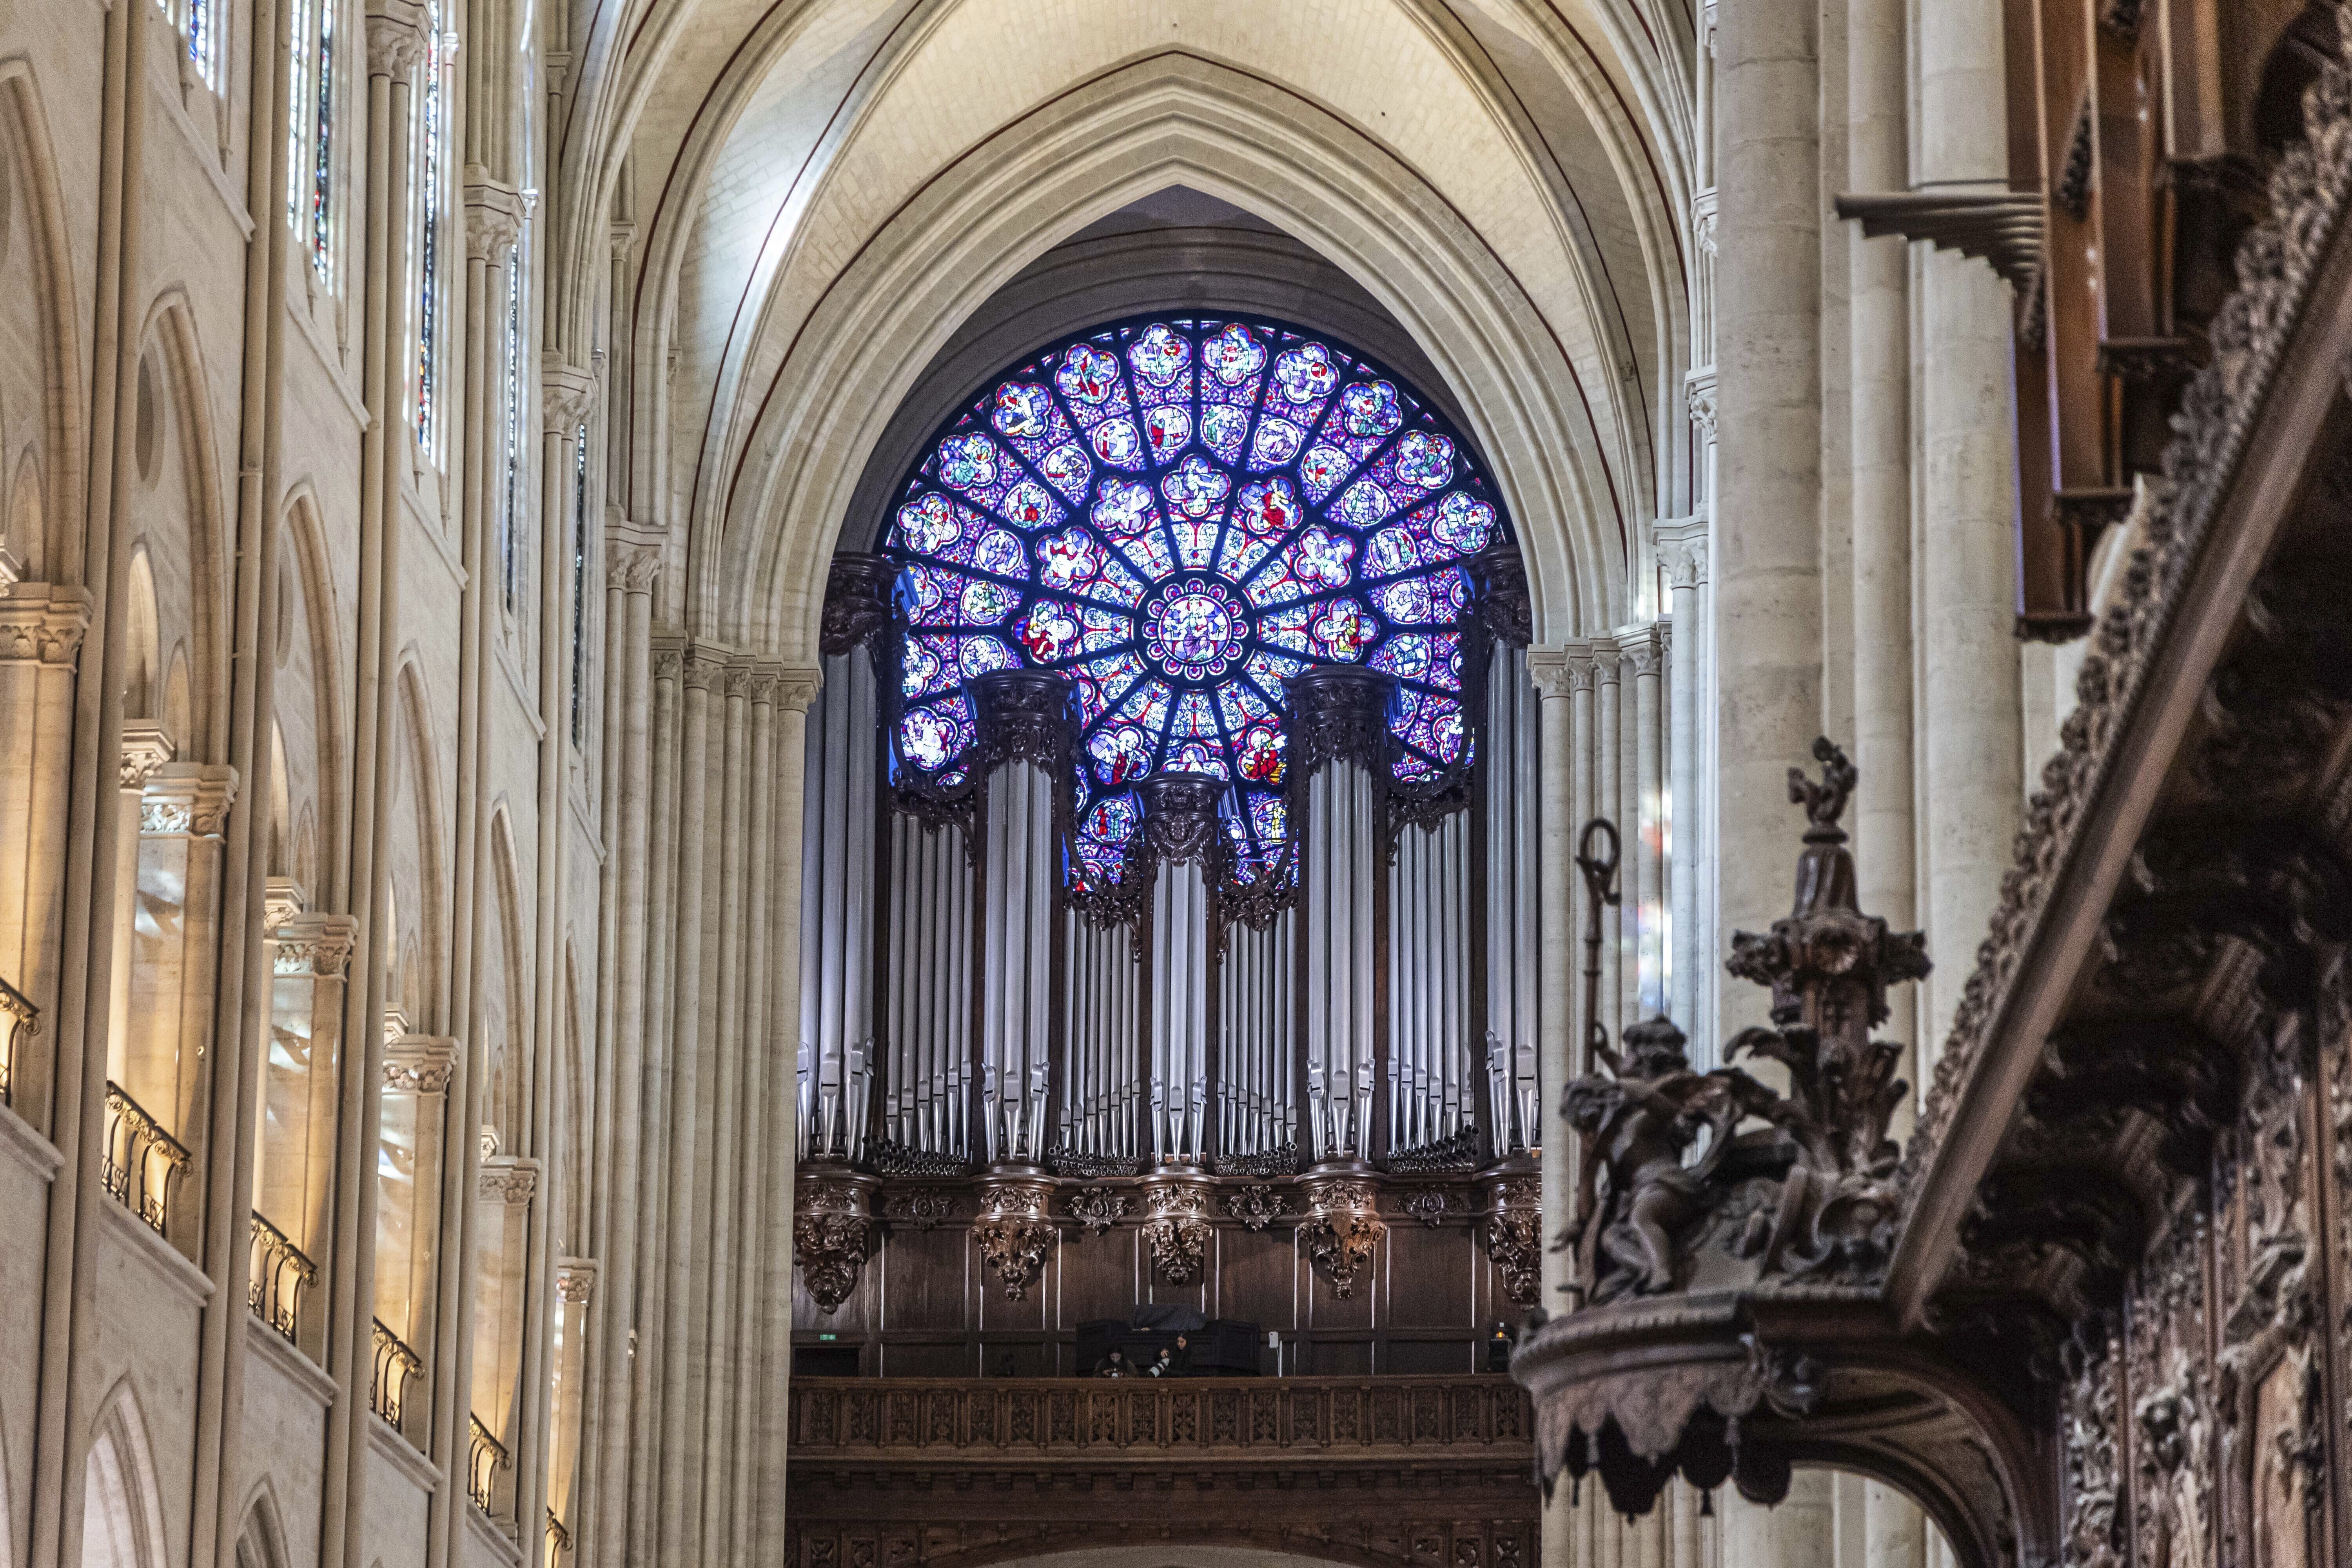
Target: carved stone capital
point(858, 591)
point(1559, 673)
point(1698, 394)
point(395, 36)
point(42, 623)
point(145, 747)
point(493, 219)
point(1642, 652)
point(281, 901)
point(632, 568)
point(1682, 550)
point(1339, 711)
point(318, 947)
point(189, 798)
point(669, 653)
point(575, 1280)
point(1705, 205)
point(419, 1064)
point(507, 1179)
point(833, 1228)
point(704, 668)
point(567, 395)
point(796, 688)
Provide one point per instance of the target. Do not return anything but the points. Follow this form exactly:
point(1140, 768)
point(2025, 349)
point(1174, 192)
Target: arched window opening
point(579, 585)
point(510, 509)
point(1165, 750)
point(430, 184)
point(310, 132)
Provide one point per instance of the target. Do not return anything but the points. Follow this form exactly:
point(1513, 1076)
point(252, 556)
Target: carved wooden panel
point(1408, 1470)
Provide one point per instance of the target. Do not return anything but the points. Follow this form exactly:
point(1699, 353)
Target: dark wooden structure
point(901, 1472)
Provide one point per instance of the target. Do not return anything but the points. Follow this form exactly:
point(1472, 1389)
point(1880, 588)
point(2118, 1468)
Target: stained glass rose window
point(1179, 515)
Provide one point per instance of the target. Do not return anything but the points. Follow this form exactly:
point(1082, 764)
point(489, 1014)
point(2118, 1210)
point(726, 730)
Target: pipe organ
point(974, 994)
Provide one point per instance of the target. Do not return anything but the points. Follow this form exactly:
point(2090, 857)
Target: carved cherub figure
point(1636, 1124)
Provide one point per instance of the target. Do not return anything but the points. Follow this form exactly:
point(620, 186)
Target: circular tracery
point(1179, 515)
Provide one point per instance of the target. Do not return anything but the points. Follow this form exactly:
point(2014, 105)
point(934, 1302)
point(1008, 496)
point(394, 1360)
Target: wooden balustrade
point(279, 1273)
point(1407, 1470)
point(395, 1363)
point(142, 1160)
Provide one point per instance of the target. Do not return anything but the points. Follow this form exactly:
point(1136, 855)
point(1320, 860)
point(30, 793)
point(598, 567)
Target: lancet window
point(1168, 749)
point(431, 185)
point(309, 134)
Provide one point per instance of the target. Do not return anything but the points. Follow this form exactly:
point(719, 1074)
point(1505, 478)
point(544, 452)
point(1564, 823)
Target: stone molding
point(146, 746)
point(575, 1280)
point(493, 219)
point(395, 36)
point(508, 1179)
point(187, 798)
point(317, 946)
point(41, 623)
point(419, 1064)
point(567, 395)
point(1682, 546)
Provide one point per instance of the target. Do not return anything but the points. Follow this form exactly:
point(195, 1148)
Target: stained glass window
point(1179, 515)
point(310, 130)
point(432, 134)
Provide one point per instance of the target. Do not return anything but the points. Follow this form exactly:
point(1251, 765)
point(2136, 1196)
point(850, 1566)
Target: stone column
point(1799, 1533)
point(1644, 656)
point(633, 571)
point(795, 690)
point(169, 1025)
point(1563, 680)
point(576, 1285)
point(1767, 504)
point(418, 1070)
point(1968, 608)
point(41, 629)
point(1877, 107)
point(309, 973)
point(1681, 553)
point(504, 1188)
point(145, 748)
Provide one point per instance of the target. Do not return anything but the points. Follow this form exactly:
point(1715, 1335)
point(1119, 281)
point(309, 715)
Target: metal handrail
point(24, 1022)
point(395, 1363)
point(485, 1458)
point(279, 1272)
point(559, 1539)
point(142, 1159)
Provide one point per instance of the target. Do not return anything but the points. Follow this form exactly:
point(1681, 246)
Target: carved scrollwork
point(1015, 1233)
point(1428, 1204)
point(832, 1230)
point(1341, 1230)
point(1257, 1207)
point(922, 1208)
point(1179, 822)
point(1339, 711)
point(1020, 715)
point(1097, 1209)
point(857, 600)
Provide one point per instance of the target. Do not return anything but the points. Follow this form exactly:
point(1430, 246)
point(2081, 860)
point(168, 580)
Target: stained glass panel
point(1181, 514)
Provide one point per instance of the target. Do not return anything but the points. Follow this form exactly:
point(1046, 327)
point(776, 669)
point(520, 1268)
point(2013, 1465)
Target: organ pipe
point(1339, 739)
point(836, 1040)
point(1180, 837)
point(1256, 1038)
point(1513, 788)
point(1017, 984)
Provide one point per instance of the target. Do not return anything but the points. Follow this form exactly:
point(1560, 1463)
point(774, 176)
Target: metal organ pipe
point(1016, 1004)
point(837, 1034)
point(1513, 784)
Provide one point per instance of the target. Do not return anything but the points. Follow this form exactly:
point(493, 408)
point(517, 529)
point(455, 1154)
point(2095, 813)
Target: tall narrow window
point(579, 578)
point(511, 514)
point(310, 132)
point(198, 22)
point(432, 137)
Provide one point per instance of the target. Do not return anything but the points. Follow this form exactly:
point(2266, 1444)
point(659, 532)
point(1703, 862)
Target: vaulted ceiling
point(820, 196)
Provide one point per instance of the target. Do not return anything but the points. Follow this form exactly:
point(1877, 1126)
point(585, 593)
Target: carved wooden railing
point(485, 1458)
point(141, 1160)
point(279, 1273)
point(1384, 1472)
point(395, 1363)
point(23, 1021)
point(1332, 1418)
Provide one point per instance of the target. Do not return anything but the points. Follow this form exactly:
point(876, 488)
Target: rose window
point(1179, 515)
